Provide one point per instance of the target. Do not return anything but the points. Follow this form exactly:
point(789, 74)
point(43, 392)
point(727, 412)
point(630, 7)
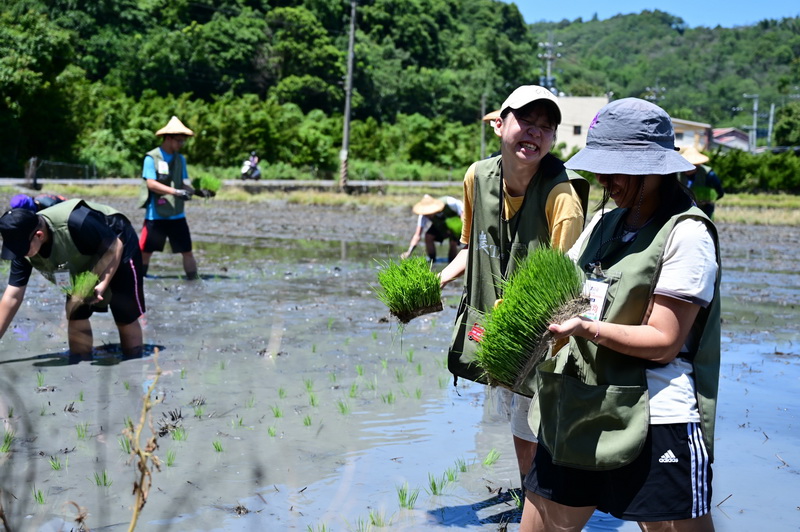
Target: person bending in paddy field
point(435, 215)
point(513, 203)
point(68, 239)
point(636, 440)
point(165, 188)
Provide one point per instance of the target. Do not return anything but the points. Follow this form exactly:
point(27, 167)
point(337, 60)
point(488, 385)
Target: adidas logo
point(668, 458)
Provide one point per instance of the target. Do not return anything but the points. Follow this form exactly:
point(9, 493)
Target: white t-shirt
point(454, 203)
point(688, 273)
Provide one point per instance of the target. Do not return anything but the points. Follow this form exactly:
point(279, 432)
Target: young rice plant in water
point(409, 288)
point(543, 282)
point(82, 286)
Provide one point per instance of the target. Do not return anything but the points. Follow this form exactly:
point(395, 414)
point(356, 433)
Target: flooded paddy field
point(291, 401)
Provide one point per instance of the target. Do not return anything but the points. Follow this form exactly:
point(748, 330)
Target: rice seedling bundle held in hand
point(82, 287)
point(409, 288)
point(544, 282)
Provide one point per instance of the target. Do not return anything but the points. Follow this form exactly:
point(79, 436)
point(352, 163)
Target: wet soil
point(291, 400)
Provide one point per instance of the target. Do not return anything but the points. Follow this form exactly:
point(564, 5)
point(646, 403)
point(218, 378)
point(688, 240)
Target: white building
point(688, 133)
point(577, 112)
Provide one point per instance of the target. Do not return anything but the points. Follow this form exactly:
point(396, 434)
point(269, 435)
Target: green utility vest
point(447, 220)
point(64, 256)
point(591, 409)
point(166, 205)
point(496, 245)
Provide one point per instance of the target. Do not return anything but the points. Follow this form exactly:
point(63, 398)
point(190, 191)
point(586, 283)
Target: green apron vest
point(495, 247)
point(591, 409)
point(166, 205)
point(64, 255)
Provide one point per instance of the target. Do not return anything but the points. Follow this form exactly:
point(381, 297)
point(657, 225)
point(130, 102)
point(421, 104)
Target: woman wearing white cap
point(625, 412)
point(513, 203)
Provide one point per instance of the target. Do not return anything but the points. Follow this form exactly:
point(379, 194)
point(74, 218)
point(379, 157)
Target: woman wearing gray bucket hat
point(625, 411)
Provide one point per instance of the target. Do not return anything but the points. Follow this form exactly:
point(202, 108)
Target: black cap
point(17, 227)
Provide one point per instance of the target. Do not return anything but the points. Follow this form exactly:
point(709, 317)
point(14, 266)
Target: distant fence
point(37, 168)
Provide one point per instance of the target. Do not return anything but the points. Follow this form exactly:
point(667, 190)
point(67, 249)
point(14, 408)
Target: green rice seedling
point(433, 323)
point(359, 370)
point(217, 446)
point(410, 356)
point(409, 288)
point(347, 341)
point(353, 391)
point(276, 411)
point(43, 410)
point(238, 422)
point(206, 185)
point(82, 287)
point(461, 465)
point(330, 323)
point(491, 457)
point(312, 399)
point(271, 430)
point(313, 348)
point(170, 457)
point(179, 434)
point(385, 363)
point(251, 401)
point(436, 485)
point(124, 445)
point(374, 335)
point(39, 379)
point(378, 519)
point(55, 463)
point(344, 407)
point(451, 474)
point(399, 375)
point(307, 421)
point(389, 398)
point(373, 384)
point(82, 429)
point(309, 385)
point(183, 373)
point(332, 377)
point(418, 393)
point(102, 479)
point(361, 525)
point(281, 393)
point(80, 396)
point(222, 365)
point(199, 411)
point(321, 528)
point(407, 498)
point(128, 422)
point(544, 282)
point(518, 501)
point(38, 496)
point(419, 369)
point(127, 385)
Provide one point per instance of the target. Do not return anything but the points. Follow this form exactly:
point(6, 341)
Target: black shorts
point(127, 294)
point(155, 233)
point(669, 480)
point(439, 234)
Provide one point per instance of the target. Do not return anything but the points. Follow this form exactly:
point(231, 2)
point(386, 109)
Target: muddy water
point(302, 406)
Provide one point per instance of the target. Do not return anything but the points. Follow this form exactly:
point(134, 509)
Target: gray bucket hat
point(631, 137)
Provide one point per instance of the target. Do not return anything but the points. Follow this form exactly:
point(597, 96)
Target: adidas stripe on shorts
point(669, 480)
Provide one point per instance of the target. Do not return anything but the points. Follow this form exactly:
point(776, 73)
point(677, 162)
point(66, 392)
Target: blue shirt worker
point(165, 189)
point(65, 241)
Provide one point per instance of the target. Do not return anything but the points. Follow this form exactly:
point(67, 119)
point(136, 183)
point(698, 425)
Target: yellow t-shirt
point(563, 211)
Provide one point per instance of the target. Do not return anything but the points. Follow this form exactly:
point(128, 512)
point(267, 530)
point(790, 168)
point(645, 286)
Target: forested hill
point(90, 81)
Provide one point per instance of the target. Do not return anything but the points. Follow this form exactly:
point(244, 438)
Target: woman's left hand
point(577, 326)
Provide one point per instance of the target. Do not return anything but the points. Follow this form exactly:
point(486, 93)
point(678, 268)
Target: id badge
point(596, 290)
point(62, 279)
point(163, 167)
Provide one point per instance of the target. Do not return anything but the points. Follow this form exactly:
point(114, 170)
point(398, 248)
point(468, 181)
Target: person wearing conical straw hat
point(165, 189)
point(702, 181)
point(442, 217)
point(625, 410)
point(513, 203)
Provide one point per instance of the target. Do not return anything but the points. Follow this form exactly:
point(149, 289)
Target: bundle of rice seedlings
point(409, 288)
point(514, 337)
point(704, 194)
point(206, 186)
point(82, 287)
point(454, 223)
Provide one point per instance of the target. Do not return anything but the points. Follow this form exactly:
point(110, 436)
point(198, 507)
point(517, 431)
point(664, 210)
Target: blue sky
point(709, 13)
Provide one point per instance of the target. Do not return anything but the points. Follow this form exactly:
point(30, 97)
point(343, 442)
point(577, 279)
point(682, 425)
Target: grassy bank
point(748, 209)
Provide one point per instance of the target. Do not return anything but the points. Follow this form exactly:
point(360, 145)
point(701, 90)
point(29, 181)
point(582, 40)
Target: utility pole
point(655, 93)
point(348, 90)
point(549, 56)
point(769, 128)
point(754, 130)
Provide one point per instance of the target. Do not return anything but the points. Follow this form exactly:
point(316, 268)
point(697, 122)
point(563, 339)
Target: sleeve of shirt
point(149, 168)
point(689, 270)
point(564, 216)
point(456, 205)
point(469, 192)
point(89, 231)
point(20, 273)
